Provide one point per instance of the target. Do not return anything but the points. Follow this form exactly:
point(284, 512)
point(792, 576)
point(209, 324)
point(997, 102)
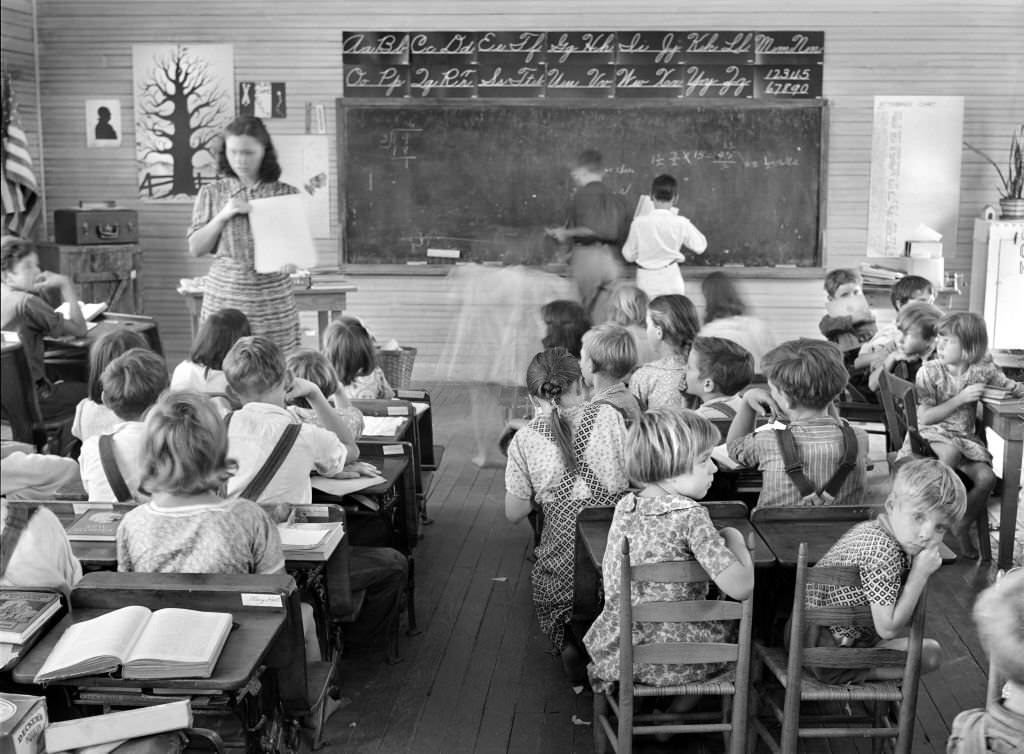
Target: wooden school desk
point(326, 299)
point(1010, 428)
point(592, 528)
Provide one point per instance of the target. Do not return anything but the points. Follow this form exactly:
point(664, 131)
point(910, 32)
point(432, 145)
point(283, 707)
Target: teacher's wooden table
point(327, 299)
point(1009, 425)
point(592, 526)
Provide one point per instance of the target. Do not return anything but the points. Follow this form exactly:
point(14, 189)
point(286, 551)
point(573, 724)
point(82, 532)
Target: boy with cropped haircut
point(816, 458)
point(274, 460)
point(917, 327)
point(849, 321)
point(607, 358)
point(926, 501)
point(111, 464)
point(716, 371)
point(999, 619)
point(909, 289)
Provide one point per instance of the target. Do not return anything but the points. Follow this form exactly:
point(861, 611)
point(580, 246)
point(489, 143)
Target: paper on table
point(381, 426)
point(340, 487)
point(299, 535)
point(280, 233)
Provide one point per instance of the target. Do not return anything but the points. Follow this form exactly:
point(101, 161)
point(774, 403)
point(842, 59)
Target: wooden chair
point(899, 398)
point(788, 670)
point(732, 687)
point(20, 405)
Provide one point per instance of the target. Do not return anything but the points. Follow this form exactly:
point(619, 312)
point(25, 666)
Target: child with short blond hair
point(670, 457)
point(926, 500)
point(313, 366)
point(815, 458)
point(111, 461)
point(999, 619)
point(716, 370)
point(608, 357)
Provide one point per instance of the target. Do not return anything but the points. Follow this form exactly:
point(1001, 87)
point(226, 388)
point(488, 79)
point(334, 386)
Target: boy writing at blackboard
point(595, 225)
point(656, 241)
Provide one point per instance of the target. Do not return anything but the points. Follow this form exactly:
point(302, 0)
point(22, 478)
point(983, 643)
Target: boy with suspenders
point(815, 458)
point(110, 462)
point(717, 369)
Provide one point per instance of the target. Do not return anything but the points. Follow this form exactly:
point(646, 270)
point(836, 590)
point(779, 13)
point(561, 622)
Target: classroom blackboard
point(485, 178)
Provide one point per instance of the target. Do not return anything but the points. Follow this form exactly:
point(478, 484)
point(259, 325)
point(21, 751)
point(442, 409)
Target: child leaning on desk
point(927, 500)
point(804, 378)
point(311, 365)
point(670, 458)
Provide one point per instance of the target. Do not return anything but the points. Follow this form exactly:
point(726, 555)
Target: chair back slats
point(839, 615)
point(669, 572)
point(684, 653)
point(854, 657)
point(834, 575)
point(686, 612)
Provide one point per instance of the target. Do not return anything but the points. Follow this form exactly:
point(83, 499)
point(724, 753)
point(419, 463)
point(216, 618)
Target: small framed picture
point(103, 123)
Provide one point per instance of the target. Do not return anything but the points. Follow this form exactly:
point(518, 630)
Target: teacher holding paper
point(220, 226)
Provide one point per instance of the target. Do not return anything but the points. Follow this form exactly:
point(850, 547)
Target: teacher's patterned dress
point(267, 300)
point(667, 527)
point(536, 470)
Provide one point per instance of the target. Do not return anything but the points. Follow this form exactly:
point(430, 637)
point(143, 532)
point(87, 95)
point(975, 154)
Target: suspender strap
point(795, 467)
point(110, 469)
point(18, 516)
point(727, 411)
point(259, 482)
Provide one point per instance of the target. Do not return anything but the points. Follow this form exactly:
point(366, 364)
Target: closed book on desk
point(95, 525)
point(118, 726)
point(310, 541)
point(22, 613)
point(168, 643)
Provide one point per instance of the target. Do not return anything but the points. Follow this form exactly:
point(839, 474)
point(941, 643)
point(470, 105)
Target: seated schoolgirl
point(351, 351)
point(307, 364)
point(203, 371)
point(570, 456)
point(91, 416)
point(670, 456)
point(672, 325)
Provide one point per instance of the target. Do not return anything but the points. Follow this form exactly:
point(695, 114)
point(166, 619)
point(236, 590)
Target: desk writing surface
point(244, 651)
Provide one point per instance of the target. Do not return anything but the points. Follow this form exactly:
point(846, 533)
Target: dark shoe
point(574, 666)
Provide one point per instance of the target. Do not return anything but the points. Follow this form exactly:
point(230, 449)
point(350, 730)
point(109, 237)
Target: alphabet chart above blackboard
point(774, 65)
point(479, 180)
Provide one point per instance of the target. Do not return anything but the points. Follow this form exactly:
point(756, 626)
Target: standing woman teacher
point(220, 226)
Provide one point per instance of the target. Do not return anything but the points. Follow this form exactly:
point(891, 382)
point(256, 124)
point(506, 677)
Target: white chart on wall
point(915, 171)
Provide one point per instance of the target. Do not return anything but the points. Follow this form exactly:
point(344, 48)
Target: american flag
point(21, 201)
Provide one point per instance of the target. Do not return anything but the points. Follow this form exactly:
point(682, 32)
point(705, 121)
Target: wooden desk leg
point(1008, 508)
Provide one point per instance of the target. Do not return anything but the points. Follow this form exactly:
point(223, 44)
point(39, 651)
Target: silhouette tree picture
point(184, 96)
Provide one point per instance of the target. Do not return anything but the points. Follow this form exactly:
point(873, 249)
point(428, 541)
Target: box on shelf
point(23, 721)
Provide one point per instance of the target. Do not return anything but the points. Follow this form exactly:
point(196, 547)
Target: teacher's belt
point(659, 269)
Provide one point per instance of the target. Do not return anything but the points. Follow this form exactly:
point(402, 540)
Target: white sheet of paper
point(341, 487)
point(299, 535)
point(381, 426)
point(280, 233)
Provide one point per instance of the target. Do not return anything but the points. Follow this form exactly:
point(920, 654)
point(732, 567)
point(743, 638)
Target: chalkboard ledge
point(689, 272)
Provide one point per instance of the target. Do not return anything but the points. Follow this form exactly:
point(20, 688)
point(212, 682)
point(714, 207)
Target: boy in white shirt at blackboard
point(656, 240)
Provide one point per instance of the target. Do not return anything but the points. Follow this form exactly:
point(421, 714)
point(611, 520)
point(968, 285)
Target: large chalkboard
point(485, 178)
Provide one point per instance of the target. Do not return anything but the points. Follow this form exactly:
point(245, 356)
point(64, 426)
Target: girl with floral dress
point(670, 455)
point(948, 390)
point(672, 325)
point(570, 456)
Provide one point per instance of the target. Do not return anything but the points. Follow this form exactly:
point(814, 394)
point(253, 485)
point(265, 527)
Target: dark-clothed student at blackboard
point(656, 240)
point(596, 225)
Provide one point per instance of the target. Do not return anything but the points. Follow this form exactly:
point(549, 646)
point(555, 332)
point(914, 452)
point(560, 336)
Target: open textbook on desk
point(168, 643)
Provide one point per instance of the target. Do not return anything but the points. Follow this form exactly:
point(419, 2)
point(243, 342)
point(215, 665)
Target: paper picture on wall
point(264, 99)
point(103, 122)
point(306, 166)
point(184, 97)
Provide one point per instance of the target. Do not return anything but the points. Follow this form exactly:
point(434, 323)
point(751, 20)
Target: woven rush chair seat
point(814, 690)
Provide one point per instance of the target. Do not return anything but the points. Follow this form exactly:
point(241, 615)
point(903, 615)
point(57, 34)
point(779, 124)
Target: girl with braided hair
point(570, 456)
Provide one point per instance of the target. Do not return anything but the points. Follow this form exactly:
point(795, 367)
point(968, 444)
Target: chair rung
point(647, 730)
point(848, 732)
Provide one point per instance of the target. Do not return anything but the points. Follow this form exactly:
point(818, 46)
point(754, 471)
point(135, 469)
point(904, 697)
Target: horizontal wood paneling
point(872, 48)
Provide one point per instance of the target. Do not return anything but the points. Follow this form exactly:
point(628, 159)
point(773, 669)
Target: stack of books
point(878, 275)
point(96, 525)
point(1002, 400)
point(23, 615)
point(310, 541)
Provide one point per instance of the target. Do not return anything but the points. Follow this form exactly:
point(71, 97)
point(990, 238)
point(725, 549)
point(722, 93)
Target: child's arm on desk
point(329, 418)
point(756, 402)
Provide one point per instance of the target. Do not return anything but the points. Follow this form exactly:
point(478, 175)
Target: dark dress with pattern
point(268, 300)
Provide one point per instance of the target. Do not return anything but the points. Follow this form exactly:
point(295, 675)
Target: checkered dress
point(535, 469)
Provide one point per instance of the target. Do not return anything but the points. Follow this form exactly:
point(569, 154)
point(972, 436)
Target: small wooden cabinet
point(110, 273)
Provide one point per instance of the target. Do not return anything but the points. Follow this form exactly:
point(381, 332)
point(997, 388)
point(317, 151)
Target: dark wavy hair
point(216, 335)
point(551, 373)
point(249, 125)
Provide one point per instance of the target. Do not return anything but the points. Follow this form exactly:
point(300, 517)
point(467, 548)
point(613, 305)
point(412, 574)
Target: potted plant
point(1011, 200)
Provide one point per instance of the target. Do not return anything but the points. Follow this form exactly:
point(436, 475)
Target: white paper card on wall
point(280, 233)
point(915, 170)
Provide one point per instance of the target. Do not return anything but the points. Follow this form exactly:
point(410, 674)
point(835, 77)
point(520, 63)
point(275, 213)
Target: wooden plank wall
point(18, 35)
point(872, 47)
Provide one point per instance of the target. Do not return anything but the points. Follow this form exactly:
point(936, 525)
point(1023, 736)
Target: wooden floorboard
point(478, 678)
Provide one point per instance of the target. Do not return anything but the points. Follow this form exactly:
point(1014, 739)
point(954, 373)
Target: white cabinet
point(997, 280)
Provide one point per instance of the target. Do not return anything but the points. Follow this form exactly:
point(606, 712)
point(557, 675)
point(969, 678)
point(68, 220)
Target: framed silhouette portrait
point(103, 123)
